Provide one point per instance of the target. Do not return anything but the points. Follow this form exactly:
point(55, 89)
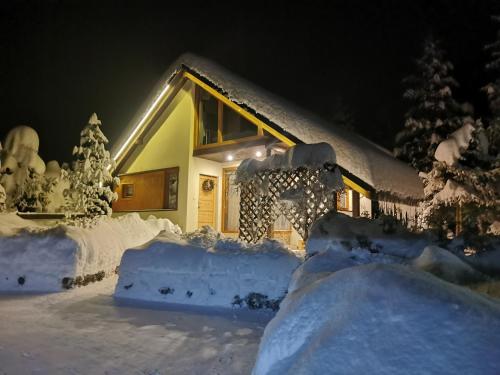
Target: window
point(148, 190)
point(343, 200)
point(235, 126)
point(209, 118)
point(218, 123)
point(127, 190)
point(172, 188)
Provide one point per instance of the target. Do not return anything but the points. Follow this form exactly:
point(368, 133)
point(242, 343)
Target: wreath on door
point(208, 185)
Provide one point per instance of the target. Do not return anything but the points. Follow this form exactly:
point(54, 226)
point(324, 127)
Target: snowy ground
point(84, 331)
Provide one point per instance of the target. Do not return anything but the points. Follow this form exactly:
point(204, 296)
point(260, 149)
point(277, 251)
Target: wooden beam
point(355, 203)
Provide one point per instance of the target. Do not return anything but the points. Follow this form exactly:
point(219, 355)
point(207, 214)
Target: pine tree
point(433, 114)
point(461, 190)
point(492, 91)
point(92, 186)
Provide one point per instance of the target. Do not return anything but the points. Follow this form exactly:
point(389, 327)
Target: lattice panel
point(261, 201)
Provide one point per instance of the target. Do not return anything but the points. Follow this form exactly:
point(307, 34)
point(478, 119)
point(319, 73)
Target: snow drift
point(382, 319)
point(207, 270)
point(336, 231)
point(34, 257)
point(446, 266)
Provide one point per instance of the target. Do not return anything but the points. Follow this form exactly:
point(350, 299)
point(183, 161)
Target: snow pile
point(227, 274)
point(323, 264)
point(446, 265)
point(450, 150)
point(40, 258)
point(336, 231)
point(382, 319)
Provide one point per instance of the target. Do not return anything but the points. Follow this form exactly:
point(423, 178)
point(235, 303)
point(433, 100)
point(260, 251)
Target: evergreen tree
point(492, 91)
point(433, 114)
point(461, 190)
point(92, 186)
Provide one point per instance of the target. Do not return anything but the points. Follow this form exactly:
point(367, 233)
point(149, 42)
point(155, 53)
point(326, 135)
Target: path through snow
point(84, 331)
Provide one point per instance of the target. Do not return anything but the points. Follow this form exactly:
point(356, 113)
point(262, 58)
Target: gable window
point(235, 126)
point(218, 123)
point(208, 109)
point(148, 190)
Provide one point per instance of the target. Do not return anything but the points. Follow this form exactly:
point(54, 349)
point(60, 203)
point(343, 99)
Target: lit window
point(235, 126)
point(343, 200)
point(209, 118)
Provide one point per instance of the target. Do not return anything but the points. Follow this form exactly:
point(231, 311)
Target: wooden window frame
point(168, 172)
point(123, 191)
point(220, 119)
point(344, 208)
point(225, 186)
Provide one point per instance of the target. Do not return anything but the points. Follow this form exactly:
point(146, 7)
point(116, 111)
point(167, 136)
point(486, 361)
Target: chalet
point(178, 156)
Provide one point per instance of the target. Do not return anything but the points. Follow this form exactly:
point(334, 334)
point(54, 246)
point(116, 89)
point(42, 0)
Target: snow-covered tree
point(492, 90)
point(92, 185)
point(22, 169)
point(462, 187)
point(433, 114)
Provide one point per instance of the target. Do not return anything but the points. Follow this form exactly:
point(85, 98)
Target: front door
point(207, 201)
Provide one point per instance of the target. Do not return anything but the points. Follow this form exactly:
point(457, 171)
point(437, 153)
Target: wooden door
point(207, 200)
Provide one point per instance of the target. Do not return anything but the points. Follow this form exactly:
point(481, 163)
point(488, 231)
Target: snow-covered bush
point(92, 185)
point(338, 232)
point(446, 265)
point(35, 257)
point(382, 319)
point(22, 171)
point(210, 271)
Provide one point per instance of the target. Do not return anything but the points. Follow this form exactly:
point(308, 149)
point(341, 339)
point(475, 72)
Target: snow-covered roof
point(356, 155)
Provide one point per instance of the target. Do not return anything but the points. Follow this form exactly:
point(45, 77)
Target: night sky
point(62, 60)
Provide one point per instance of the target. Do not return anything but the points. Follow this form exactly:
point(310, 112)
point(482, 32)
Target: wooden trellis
point(262, 201)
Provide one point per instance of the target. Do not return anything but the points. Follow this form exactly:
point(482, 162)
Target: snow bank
point(336, 231)
point(321, 265)
point(446, 265)
point(227, 274)
point(34, 257)
point(382, 319)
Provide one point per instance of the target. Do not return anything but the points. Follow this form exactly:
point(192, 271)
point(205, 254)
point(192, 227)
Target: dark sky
point(62, 60)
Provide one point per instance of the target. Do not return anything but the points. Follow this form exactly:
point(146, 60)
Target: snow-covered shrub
point(336, 231)
point(446, 266)
point(91, 183)
point(228, 273)
point(382, 319)
point(62, 256)
point(22, 171)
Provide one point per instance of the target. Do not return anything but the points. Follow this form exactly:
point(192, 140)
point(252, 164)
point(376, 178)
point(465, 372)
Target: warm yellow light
point(229, 158)
point(143, 119)
point(258, 154)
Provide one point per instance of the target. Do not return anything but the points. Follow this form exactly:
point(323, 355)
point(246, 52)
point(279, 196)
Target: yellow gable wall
point(171, 146)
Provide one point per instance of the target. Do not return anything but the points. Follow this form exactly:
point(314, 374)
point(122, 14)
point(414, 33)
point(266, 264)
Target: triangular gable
point(365, 166)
